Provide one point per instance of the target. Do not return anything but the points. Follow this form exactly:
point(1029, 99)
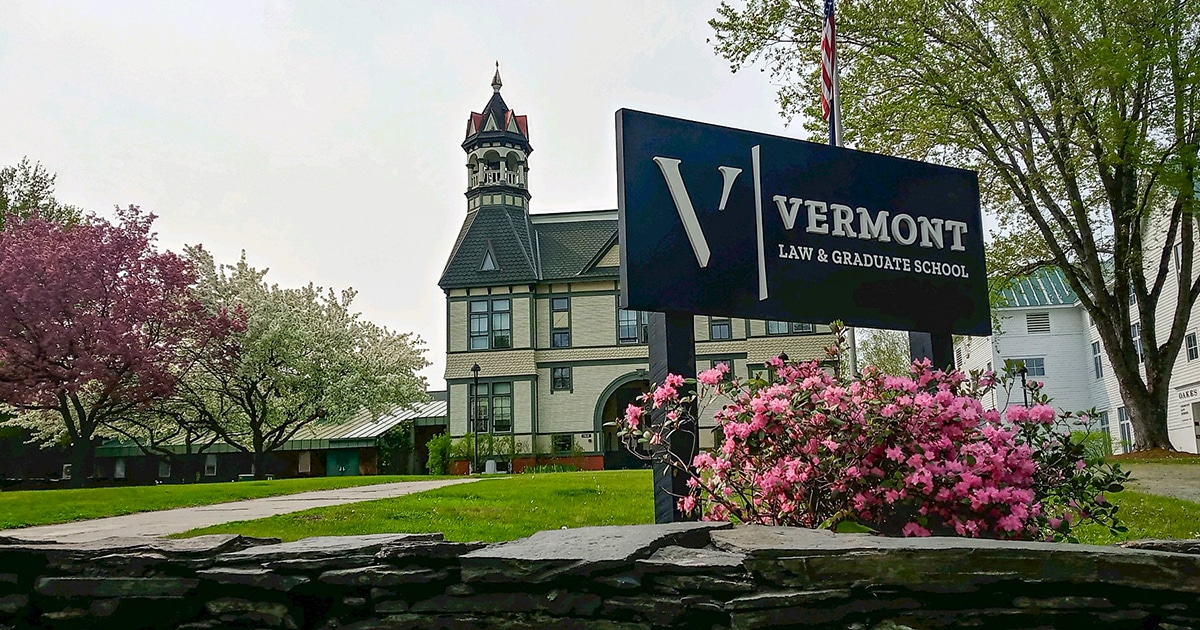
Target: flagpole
point(835, 139)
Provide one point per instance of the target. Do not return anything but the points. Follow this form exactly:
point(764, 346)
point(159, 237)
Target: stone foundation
point(688, 575)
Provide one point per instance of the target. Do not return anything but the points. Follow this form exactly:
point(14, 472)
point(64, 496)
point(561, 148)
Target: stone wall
point(687, 575)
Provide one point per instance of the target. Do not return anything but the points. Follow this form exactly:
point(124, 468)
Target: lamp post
point(1024, 392)
point(473, 411)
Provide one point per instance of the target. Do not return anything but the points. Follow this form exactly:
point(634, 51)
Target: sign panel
point(720, 221)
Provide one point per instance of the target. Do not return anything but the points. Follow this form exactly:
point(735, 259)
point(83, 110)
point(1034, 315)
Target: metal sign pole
point(672, 343)
point(937, 347)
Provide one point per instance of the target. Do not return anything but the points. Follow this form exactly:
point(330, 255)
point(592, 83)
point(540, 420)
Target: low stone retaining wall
point(687, 575)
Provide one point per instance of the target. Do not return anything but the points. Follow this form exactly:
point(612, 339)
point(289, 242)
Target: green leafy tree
point(886, 350)
point(300, 357)
point(28, 188)
point(1081, 118)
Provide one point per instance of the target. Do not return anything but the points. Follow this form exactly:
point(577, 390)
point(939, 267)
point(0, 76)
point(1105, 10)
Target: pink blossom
point(915, 529)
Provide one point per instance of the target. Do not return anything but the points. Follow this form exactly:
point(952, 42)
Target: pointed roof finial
point(496, 79)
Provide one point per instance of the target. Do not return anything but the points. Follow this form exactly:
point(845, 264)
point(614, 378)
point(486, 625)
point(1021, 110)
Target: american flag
point(829, 80)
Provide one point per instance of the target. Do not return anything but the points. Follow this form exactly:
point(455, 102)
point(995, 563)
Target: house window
point(1135, 330)
point(560, 379)
point(1104, 425)
point(631, 326)
point(1037, 323)
point(720, 328)
point(1126, 426)
point(119, 468)
point(304, 462)
point(785, 328)
point(210, 465)
point(562, 442)
point(490, 324)
point(560, 322)
point(1178, 259)
point(1034, 366)
point(715, 362)
point(1097, 359)
point(1193, 352)
point(164, 469)
point(495, 398)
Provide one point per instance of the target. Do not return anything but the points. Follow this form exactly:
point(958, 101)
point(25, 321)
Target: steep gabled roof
point(505, 232)
point(570, 249)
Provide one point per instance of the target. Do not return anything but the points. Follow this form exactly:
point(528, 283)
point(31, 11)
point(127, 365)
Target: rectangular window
point(164, 469)
point(490, 324)
point(502, 407)
point(1193, 352)
point(560, 322)
point(562, 442)
point(1097, 359)
point(210, 465)
point(560, 379)
point(778, 328)
point(1037, 323)
point(1103, 428)
point(482, 404)
point(304, 462)
point(631, 326)
point(1178, 259)
point(479, 325)
point(1135, 330)
point(119, 468)
point(720, 328)
point(1126, 426)
point(715, 362)
point(1034, 366)
point(798, 328)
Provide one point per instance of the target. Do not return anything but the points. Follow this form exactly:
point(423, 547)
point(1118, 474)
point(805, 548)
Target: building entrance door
point(615, 453)
point(341, 463)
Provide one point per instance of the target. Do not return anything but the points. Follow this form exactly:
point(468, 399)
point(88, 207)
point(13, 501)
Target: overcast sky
point(323, 138)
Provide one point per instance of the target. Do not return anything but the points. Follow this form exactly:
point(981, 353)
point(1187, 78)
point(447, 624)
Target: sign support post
point(937, 347)
point(672, 341)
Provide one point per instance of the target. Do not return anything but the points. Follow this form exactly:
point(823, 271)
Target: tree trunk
point(82, 462)
point(1148, 415)
point(260, 459)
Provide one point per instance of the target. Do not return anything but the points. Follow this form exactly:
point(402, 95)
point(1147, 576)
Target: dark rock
point(562, 603)
point(12, 604)
point(382, 575)
point(320, 564)
point(391, 606)
point(104, 607)
point(115, 587)
point(460, 589)
point(1062, 603)
point(674, 559)
point(257, 578)
point(426, 550)
point(753, 619)
point(787, 599)
point(321, 547)
point(354, 602)
point(67, 614)
point(231, 609)
point(1122, 615)
point(1174, 546)
point(549, 554)
point(8, 578)
point(481, 603)
point(704, 584)
point(627, 581)
point(659, 611)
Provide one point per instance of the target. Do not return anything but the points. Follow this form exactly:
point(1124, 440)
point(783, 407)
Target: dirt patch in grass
point(1155, 456)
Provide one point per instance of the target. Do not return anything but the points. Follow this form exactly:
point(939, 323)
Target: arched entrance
point(609, 408)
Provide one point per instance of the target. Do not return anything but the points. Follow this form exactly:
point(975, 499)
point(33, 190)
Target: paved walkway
point(1179, 481)
point(166, 522)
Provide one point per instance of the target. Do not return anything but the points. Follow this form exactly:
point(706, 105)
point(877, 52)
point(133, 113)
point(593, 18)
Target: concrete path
point(166, 522)
point(1179, 481)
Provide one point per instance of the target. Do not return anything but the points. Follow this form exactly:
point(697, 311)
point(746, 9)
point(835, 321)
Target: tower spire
point(496, 84)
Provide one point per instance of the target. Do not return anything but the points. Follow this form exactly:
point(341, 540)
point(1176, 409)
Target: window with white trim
point(1097, 359)
point(1034, 366)
point(1135, 330)
point(210, 465)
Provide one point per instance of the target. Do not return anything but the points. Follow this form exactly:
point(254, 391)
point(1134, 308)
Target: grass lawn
point(491, 510)
point(1147, 516)
point(46, 507)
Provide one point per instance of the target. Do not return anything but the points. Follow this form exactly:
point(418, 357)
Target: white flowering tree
point(298, 357)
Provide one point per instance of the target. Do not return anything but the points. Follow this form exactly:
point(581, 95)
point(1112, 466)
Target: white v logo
point(683, 202)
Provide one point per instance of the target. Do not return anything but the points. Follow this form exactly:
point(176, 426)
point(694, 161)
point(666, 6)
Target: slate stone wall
point(689, 575)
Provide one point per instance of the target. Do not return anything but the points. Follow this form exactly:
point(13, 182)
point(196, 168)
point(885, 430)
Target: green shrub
point(1096, 446)
point(439, 454)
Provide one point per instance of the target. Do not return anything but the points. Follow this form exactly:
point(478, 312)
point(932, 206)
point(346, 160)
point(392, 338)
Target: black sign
point(721, 221)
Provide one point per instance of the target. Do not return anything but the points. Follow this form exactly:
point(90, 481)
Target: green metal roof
point(1044, 287)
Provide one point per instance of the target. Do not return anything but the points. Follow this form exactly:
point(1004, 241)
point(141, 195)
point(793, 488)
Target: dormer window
point(489, 259)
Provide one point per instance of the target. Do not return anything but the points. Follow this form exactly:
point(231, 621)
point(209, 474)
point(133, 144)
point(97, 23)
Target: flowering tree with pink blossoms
point(914, 455)
point(92, 319)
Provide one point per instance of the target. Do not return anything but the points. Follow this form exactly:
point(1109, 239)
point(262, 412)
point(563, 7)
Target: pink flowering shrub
point(913, 456)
